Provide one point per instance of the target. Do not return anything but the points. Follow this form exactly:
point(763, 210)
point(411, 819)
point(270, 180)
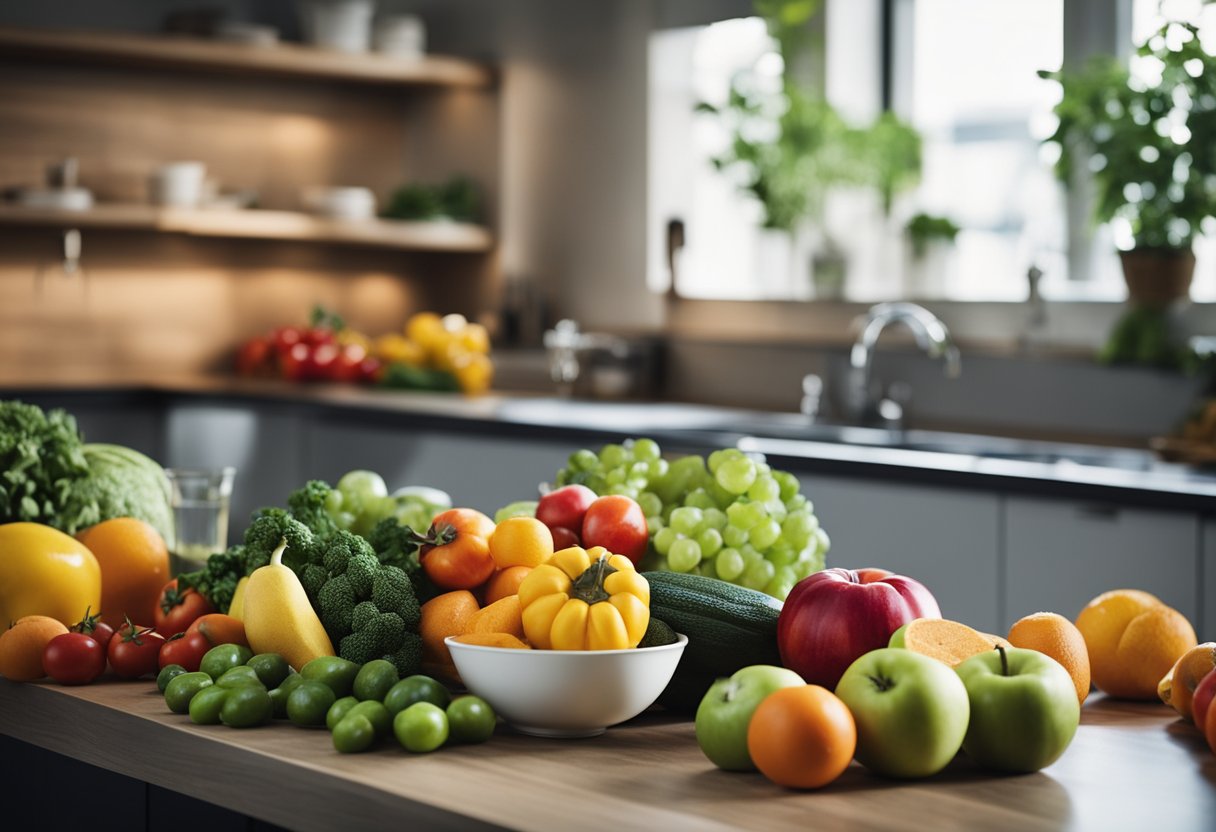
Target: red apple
point(1201, 699)
point(616, 522)
point(563, 538)
point(565, 507)
point(833, 617)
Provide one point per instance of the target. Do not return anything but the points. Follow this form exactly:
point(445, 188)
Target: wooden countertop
point(1131, 766)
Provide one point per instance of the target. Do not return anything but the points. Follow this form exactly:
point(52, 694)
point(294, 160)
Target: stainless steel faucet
point(868, 402)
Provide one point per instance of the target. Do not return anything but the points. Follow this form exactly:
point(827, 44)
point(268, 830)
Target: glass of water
point(200, 512)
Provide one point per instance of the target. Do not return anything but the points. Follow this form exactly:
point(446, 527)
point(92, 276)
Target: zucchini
point(728, 627)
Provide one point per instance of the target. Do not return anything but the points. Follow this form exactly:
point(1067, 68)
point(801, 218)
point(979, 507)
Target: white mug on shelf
point(341, 203)
point(400, 36)
point(342, 25)
point(178, 184)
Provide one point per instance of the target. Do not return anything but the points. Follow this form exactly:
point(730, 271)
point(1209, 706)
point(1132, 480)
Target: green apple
point(1024, 709)
point(727, 709)
point(911, 711)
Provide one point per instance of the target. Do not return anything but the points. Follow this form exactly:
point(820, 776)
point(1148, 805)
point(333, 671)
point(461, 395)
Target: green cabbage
point(124, 483)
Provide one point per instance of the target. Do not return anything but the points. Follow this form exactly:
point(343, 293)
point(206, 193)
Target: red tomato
point(286, 337)
point(176, 610)
point(347, 365)
point(185, 649)
point(253, 357)
point(73, 659)
point(316, 336)
point(135, 651)
point(294, 361)
point(96, 629)
point(457, 552)
point(616, 522)
point(322, 362)
point(566, 506)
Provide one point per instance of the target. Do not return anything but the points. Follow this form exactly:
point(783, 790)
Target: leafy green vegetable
point(51, 476)
point(43, 462)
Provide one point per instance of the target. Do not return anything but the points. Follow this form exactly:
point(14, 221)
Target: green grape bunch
point(730, 516)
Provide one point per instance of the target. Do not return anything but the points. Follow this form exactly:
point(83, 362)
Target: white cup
point(343, 25)
point(178, 184)
point(401, 36)
point(341, 203)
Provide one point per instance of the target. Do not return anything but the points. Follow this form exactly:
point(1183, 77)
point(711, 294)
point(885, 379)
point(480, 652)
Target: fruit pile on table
point(339, 609)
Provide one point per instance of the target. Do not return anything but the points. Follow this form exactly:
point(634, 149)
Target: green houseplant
point(1148, 141)
point(789, 147)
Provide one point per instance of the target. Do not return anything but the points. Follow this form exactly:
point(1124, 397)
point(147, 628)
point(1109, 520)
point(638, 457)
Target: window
point(964, 74)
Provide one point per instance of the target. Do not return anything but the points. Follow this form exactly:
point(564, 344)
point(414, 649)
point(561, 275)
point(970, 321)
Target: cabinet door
point(1207, 610)
point(263, 443)
point(944, 538)
point(480, 472)
point(1059, 554)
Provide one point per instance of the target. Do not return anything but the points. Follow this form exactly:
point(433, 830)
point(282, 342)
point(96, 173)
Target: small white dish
point(566, 693)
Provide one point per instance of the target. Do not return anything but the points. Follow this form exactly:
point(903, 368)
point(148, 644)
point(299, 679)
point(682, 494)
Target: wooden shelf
point(261, 225)
point(285, 59)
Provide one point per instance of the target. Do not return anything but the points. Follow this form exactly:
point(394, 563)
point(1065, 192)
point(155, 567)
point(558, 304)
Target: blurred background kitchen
point(709, 202)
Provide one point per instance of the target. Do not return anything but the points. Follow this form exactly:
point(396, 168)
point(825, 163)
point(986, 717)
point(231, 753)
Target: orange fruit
point(1054, 635)
point(1177, 688)
point(134, 568)
point(521, 541)
point(802, 737)
point(503, 616)
point(1133, 640)
point(442, 616)
point(22, 645)
point(505, 582)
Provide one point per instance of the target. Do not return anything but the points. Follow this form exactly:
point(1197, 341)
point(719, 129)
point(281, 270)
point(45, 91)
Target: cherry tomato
point(347, 365)
point(176, 610)
point(370, 370)
point(73, 659)
point(456, 554)
point(253, 357)
point(93, 627)
point(286, 337)
point(294, 361)
point(322, 362)
point(184, 649)
point(316, 336)
point(616, 522)
point(135, 651)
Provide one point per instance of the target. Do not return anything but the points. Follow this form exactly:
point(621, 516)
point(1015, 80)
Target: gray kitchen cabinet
point(263, 444)
point(1206, 628)
point(478, 471)
point(1059, 554)
point(944, 538)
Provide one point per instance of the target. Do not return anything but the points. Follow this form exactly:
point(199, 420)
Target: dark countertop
point(1126, 476)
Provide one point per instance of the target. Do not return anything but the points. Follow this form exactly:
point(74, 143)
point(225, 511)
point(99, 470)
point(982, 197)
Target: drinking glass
point(200, 501)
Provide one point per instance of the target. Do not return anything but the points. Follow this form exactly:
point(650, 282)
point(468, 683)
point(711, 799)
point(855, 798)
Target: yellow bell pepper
point(585, 600)
point(45, 572)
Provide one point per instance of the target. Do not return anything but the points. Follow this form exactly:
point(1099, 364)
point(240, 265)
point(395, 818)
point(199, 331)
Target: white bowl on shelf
point(566, 693)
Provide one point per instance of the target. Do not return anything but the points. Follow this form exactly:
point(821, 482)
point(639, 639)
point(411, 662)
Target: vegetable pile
point(49, 475)
point(362, 589)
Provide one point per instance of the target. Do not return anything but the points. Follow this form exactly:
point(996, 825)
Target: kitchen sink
point(738, 425)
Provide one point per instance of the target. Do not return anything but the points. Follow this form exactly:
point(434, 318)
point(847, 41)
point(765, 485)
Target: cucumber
point(728, 627)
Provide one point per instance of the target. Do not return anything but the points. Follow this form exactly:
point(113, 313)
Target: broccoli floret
point(369, 610)
point(271, 525)
point(336, 601)
point(395, 545)
point(308, 505)
point(218, 578)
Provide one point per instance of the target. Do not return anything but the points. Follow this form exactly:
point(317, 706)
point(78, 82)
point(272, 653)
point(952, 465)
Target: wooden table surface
point(1131, 766)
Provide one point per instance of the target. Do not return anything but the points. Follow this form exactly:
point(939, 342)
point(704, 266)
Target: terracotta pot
point(1157, 277)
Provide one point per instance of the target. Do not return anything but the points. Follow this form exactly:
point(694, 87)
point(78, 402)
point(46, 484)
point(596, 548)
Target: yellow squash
point(278, 617)
point(585, 600)
point(237, 608)
point(45, 572)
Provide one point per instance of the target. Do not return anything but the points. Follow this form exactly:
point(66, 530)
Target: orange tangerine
point(1054, 635)
point(1133, 640)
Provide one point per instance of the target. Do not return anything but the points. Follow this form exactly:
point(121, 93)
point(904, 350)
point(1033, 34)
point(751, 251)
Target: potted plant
point(790, 147)
point(929, 239)
point(1148, 141)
